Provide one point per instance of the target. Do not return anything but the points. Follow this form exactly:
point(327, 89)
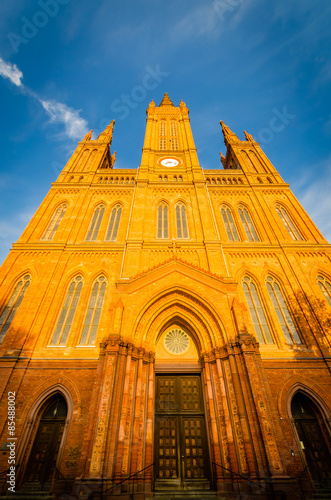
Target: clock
point(169, 162)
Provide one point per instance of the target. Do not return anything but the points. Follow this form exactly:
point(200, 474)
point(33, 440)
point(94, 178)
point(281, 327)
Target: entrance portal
point(306, 418)
point(43, 456)
point(181, 452)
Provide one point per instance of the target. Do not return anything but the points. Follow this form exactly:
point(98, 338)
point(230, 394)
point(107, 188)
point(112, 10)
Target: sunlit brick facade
point(168, 322)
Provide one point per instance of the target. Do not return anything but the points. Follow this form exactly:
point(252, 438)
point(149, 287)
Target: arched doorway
point(309, 425)
point(181, 444)
point(42, 459)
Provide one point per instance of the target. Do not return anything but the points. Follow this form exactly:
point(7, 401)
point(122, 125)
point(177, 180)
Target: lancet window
point(229, 223)
point(283, 314)
point(55, 221)
point(68, 311)
point(93, 231)
point(255, 307)
point(13, 304)
point(289, 225)
point(92, 318)
point(114, 223)
point(163, 134)
point(163, 221)
point(181, 221)
point(248, 224)
point(325, 286)
point(174, 135)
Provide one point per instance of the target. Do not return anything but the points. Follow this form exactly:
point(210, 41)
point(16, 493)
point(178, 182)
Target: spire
point(88, 136)
point(229, 136)
point(248, 137)
point(107, 134)
point(166, 101)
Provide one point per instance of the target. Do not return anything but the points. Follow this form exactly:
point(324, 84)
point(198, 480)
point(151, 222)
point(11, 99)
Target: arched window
point(180, 178)
point(68, 311)
point(181, 222)
point(91, 159)
point(325, 286)
point(94, 310)
point(162, 221)
point(93, 231)
point(283, 314)
point(290, 227)
point(163, 134)
point(229, 224)
point(55, 222)
point(256, 311)
point(13, 304)
point(174, 135)
point(114, 223)
point(248, 224)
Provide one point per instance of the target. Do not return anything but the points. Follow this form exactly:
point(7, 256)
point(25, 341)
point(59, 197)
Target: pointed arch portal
point(180, 441)
point(309, 426)
point(44, 452)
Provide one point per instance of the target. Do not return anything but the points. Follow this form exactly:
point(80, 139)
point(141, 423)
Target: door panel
point(315, 449)
point(181, 454)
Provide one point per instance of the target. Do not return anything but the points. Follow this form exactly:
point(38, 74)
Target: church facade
point(166, 330)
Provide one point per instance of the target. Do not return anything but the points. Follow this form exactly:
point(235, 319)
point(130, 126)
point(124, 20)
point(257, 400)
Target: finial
point(183, 107)
point(107, 134)
point(88, 136)
point(229, 136)
point(113, 158)
point(248, 137)
point(166, 101)
point(222, 159)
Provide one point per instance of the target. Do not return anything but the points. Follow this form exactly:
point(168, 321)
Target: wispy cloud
point(75, 126)
point(11, 72)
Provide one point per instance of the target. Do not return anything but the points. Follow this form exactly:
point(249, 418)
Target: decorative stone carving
point(236, 419)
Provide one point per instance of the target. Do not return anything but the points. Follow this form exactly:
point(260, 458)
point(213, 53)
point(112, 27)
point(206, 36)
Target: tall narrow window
point(256, 311)
point(67, 315)
point(325, 286)
point(286, 220)
point(229, 224)
point(163, 134)
point(93, 314)
point(181, 222)
point(248, 224)
point(93, 231)
point(13, 304)
point(55, 222)
point(283, 314)
point(174, 135)
point(114, 223)
point(162, 221)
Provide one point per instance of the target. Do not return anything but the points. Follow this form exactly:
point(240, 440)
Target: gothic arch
point(184, 304)
point(33, 411)
point(300, 383)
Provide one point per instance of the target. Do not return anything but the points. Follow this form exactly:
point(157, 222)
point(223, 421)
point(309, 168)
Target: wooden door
point(181, 452)
point(315, 449)
point(308, 421)
point(45, 449)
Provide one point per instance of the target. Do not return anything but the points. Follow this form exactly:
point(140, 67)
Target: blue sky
point(67, 66)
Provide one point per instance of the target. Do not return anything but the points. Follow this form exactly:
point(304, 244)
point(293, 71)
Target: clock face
point(169, 162)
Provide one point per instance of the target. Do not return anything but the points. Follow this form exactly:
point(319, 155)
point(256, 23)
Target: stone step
point(190, 495)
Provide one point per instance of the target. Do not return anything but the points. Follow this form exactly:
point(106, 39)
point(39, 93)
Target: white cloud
point(75, 125)
point(11, 72)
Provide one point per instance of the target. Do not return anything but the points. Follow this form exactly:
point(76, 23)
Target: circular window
point(176, 341)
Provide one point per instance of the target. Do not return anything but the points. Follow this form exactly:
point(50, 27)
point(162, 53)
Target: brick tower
point(166, 330)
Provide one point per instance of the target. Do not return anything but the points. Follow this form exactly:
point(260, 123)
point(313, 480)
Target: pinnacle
point(166, 101)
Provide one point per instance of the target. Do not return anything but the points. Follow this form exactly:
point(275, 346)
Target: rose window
point(176, 341)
